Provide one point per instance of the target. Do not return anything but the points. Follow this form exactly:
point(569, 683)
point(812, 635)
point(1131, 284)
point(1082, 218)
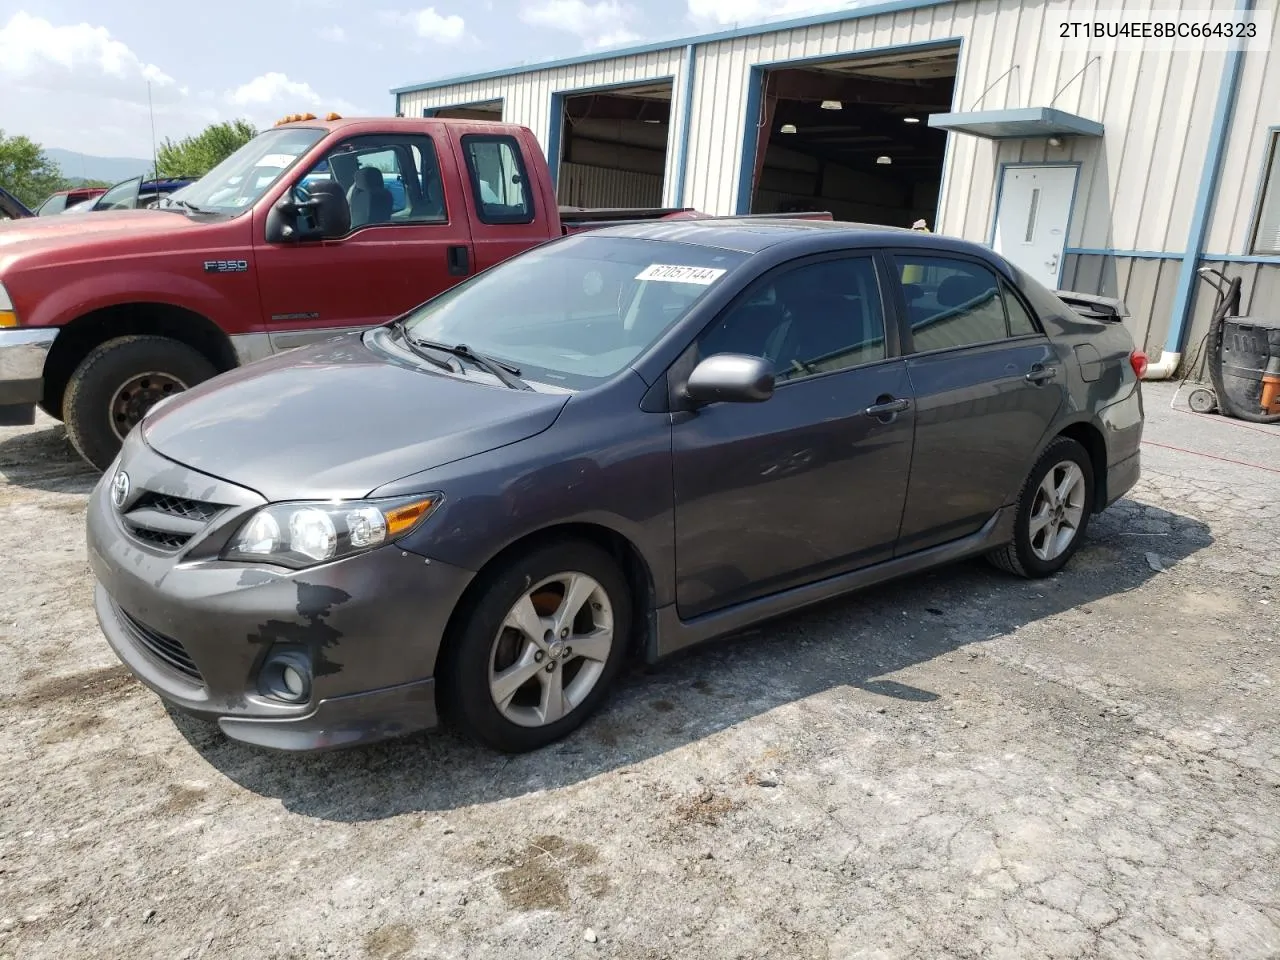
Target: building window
point(1266, 231)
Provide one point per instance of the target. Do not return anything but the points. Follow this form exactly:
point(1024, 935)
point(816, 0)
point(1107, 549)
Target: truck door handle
point(886, 407)
point(1041, 374)
point(459, 261)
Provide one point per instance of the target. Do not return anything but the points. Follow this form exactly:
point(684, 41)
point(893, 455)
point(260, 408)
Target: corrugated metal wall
point(1145, 284)
point(587, 186)
point(1257, 108)
point(528, 96)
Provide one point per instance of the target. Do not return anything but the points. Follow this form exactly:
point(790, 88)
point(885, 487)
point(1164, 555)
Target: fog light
point(287, 676)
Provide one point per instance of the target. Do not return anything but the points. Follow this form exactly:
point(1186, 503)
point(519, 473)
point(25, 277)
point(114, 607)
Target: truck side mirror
point(321, 212)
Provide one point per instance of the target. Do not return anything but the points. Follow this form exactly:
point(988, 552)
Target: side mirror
point(320, 213)
point(730, 378)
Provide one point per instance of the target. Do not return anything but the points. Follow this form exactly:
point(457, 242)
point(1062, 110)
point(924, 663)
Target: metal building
point(1099, 169)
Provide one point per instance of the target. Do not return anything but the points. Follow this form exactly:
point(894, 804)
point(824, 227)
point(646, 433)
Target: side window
point(498, 179)
point(1020, 322)
point(55, 204)
point(812, 319)
point(951, 303)
point(386, 180)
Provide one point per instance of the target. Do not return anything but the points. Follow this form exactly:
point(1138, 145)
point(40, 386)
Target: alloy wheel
point(1057, 511)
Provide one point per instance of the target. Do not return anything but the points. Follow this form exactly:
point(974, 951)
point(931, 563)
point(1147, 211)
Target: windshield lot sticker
point(670, 273)
point(280, 160)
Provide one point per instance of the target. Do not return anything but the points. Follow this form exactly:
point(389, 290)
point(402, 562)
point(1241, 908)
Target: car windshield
point(237, 182)
point(576, 311)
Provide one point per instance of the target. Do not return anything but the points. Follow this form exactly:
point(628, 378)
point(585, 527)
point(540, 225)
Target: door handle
point(1041, 374)
point(887, 407)
point(459, 259)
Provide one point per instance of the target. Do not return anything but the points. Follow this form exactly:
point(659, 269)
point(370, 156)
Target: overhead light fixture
point(787, 128)
point(884, 160)
point(1055, 141)
point(910, 119)
point(832, 105)
point(653, 121)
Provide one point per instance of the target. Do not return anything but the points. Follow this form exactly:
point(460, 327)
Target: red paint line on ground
point(1227, 421)
point(1210, 456)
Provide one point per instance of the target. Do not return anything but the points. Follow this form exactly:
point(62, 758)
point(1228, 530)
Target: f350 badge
point(226, 266)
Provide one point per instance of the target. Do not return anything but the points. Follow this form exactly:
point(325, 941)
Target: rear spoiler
point(1108, 309)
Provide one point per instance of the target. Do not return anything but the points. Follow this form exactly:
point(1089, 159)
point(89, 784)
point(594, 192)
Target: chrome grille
point(167, 522)
point(165, 649)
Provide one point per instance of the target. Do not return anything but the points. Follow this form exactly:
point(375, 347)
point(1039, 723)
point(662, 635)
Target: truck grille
point(165, 649)
point(166, 522)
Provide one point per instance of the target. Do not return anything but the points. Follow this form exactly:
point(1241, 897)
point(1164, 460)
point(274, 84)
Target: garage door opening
point(489, 110)
point(853, 138)
point(613, 147)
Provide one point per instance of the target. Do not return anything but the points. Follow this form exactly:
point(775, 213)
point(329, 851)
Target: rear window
point(498, 179)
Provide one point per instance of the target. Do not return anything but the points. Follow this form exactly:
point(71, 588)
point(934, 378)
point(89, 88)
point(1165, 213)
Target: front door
point(987, 384)
point(1033, 216)
point(409, 240)
point(810, 482)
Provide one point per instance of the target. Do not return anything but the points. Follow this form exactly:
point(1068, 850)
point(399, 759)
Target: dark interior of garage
point(853, 138)
point(490, 110)
point(613, 147)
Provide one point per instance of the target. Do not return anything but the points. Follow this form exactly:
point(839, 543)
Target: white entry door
point(1032, 219)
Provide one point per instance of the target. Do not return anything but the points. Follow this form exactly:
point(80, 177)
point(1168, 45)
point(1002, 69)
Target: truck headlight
point(306, 533)
point(8, 318)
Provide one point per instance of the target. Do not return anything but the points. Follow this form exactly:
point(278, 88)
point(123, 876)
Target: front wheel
point(117, 383)
point(535, 654)
point(1052, 513)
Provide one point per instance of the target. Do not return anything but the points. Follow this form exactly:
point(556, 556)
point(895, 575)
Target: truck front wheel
point(117, 383)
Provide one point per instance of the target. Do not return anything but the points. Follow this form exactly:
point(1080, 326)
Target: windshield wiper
point(186, 203)
point(505, 372)
point(416, 349)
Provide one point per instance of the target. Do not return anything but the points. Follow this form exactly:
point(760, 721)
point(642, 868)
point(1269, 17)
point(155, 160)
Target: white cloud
point(599, 24)
point(273, 88)
point(332, 34)
point(36, 54)
point(722, 13)
point(430, 25)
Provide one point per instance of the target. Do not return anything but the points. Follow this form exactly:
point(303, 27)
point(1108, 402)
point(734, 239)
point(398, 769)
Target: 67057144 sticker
point(677, 273)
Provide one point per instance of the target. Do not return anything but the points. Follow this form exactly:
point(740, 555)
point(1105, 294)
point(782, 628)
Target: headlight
point(7, 317)
point(302, 534)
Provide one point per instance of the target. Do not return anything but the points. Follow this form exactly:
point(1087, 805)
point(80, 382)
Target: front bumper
point(198, 631)
point(22, 355)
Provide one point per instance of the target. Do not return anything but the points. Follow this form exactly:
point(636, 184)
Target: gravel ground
point(959, 765)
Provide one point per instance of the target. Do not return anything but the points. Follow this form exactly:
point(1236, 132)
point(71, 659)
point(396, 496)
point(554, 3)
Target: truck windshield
point(576, 311)
point(237, 182)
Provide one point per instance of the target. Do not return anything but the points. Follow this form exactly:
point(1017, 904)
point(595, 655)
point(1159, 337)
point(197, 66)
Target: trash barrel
point(1248, 346)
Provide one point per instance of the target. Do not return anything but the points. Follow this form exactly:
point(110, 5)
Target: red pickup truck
point(311, 228)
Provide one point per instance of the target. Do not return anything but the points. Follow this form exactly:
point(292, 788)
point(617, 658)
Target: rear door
point(809, 483)
point(987, 383)
point(507, 209)
point(409, 240)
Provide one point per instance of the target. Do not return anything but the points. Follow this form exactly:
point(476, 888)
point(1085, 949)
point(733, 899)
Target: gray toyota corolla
point(620, 443)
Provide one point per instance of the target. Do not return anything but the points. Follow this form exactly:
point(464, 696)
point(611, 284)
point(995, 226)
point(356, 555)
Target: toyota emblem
point(119, 488)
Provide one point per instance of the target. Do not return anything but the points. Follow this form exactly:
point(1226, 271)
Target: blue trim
point(874, 10)
point(1184, 296)
point(1272, 148)
point(1271, 261)
point(689, 69)
point(1135, 254)
point(555, 130)
point(1017, 123)
point(1071, 210)
point(428, 112)
point(755, 93)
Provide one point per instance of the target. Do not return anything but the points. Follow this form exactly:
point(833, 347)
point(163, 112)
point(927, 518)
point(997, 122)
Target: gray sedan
point(618, 444)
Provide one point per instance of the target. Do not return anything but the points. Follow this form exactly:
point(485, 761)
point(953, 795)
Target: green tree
point(26, 171)
point(195, 156)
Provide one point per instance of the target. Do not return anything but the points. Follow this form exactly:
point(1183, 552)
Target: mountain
point(110, 169)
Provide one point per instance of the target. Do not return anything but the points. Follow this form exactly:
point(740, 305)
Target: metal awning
point(1019, 123)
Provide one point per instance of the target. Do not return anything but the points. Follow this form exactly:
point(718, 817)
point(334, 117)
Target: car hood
point(71, 230)
point(337, 420)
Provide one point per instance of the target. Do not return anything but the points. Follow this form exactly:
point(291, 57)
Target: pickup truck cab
point(313, 228)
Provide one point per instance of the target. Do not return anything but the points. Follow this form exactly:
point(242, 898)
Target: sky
point(75, 74)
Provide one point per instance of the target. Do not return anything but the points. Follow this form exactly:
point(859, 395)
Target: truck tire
point(117, 383)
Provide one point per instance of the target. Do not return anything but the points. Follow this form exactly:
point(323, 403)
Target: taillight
point(1138, 360)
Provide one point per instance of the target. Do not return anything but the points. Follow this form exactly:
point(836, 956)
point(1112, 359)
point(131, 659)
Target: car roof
point(753, 234)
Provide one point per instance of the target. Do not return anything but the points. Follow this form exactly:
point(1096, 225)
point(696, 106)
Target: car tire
point(117, 382)
point(485, 656)
point(1049, 527)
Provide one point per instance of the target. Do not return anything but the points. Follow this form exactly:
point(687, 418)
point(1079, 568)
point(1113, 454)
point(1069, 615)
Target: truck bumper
point(22, 356)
